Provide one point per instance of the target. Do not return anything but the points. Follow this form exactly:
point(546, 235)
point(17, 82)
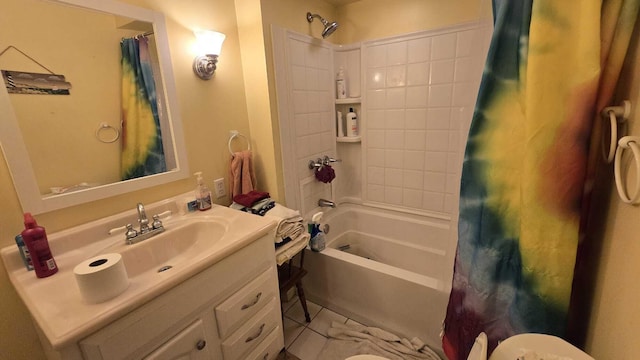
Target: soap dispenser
point(203, 194)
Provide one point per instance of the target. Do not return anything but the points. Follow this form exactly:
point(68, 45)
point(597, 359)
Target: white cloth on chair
point(290, 249)
point(290, 225)
point(290, 222)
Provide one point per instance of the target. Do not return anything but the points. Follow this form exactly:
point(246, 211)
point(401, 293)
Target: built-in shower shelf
point(348, 139)
point(348, 101)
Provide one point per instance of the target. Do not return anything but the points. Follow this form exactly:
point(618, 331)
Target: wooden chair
point(290, 275)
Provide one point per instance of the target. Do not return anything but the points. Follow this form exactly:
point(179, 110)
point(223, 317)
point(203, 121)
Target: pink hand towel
point(243, 179)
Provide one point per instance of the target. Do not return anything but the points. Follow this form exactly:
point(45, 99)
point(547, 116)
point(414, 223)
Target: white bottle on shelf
point(341, 84)
point(352, 123)
point(340, 124)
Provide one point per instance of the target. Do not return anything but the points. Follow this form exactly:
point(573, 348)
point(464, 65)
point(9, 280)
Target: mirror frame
point(15, 151)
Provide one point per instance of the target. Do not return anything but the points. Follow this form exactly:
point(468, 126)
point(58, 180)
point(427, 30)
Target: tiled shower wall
point(420, 94)
point(311, 90)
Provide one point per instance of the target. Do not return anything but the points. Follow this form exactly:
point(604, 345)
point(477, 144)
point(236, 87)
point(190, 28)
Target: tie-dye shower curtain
point(551, 67)
point(142, 151)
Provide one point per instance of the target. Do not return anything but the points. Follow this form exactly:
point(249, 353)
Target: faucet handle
point(157, 223)
point(131, 232)
point(327, 160)
point(316, 165)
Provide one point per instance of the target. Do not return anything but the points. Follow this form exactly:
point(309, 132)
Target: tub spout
point(326, 203)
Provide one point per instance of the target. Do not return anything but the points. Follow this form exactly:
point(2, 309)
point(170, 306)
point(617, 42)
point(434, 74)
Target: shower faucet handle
point(320, 162)
point(327, 160)
point(317, 164)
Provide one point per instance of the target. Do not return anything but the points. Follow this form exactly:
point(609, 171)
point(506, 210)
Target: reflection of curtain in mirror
point(142, 152)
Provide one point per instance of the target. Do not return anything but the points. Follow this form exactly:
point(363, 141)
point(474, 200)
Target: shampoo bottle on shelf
point(203, 194)
point(352, 123)
point(35, 237)
point(341, 84)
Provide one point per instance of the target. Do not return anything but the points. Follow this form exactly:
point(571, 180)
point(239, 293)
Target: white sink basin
point(190, 244)
point(175, 247)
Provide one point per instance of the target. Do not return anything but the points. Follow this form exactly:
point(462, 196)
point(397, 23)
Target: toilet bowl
point(543, 346)
point(366, 357)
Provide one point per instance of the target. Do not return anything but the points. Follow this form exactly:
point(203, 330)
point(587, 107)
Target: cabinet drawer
point(270, 347)
point(234, 311)
point(188, 344)
point(252, 333)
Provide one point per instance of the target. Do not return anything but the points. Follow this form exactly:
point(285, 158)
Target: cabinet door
point(188, 344)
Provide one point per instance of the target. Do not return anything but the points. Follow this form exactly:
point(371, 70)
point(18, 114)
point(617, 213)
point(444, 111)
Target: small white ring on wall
point(236, 134)
point(104, 127)
point(627, 142)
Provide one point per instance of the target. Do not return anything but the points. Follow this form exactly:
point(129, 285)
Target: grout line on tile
point(294, 340)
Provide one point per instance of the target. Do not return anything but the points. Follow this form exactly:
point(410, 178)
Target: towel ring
point(235, 134)
point(106, 127)
point(612, 113)
point(627, 142)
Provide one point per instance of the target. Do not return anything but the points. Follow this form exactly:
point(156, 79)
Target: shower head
point(329, 27)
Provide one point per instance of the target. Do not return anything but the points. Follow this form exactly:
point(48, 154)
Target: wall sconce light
point(208, 46)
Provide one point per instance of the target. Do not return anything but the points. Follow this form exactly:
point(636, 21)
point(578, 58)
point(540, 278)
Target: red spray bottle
point(35, 238)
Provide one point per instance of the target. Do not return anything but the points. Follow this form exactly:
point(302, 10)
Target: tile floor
point(306, 340)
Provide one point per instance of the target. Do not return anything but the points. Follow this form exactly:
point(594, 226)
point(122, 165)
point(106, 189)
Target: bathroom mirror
point(76, 120)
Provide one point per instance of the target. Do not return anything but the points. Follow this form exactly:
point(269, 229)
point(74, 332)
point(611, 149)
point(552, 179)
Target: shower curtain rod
point(140, 35)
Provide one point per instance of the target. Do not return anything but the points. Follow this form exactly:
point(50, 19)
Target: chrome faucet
point(142, 219)
point(326, 203)
point(146, 231)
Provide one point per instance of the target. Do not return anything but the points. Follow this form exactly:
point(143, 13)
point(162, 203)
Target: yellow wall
point(373, 19)
point(615, 314)
point(263, 125)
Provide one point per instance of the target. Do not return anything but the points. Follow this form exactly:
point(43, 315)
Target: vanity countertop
point(55, 302)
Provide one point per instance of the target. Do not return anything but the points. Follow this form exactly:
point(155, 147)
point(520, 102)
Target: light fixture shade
point(209, 42)
point(208, 46)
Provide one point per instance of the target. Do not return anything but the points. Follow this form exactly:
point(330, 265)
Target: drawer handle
point(201, 344)
point(251, 338)
point(255, 301)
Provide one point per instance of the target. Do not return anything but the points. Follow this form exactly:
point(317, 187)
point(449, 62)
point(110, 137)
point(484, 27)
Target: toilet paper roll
point(101, 278)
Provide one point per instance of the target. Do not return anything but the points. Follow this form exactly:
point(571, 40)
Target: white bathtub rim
point(394, 214)
point(379, 267)
point(384, 238)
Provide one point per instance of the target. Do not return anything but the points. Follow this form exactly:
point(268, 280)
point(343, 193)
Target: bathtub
point(385, 269)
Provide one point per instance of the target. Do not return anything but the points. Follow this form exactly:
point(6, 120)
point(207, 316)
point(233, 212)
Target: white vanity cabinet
point(229, 311)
